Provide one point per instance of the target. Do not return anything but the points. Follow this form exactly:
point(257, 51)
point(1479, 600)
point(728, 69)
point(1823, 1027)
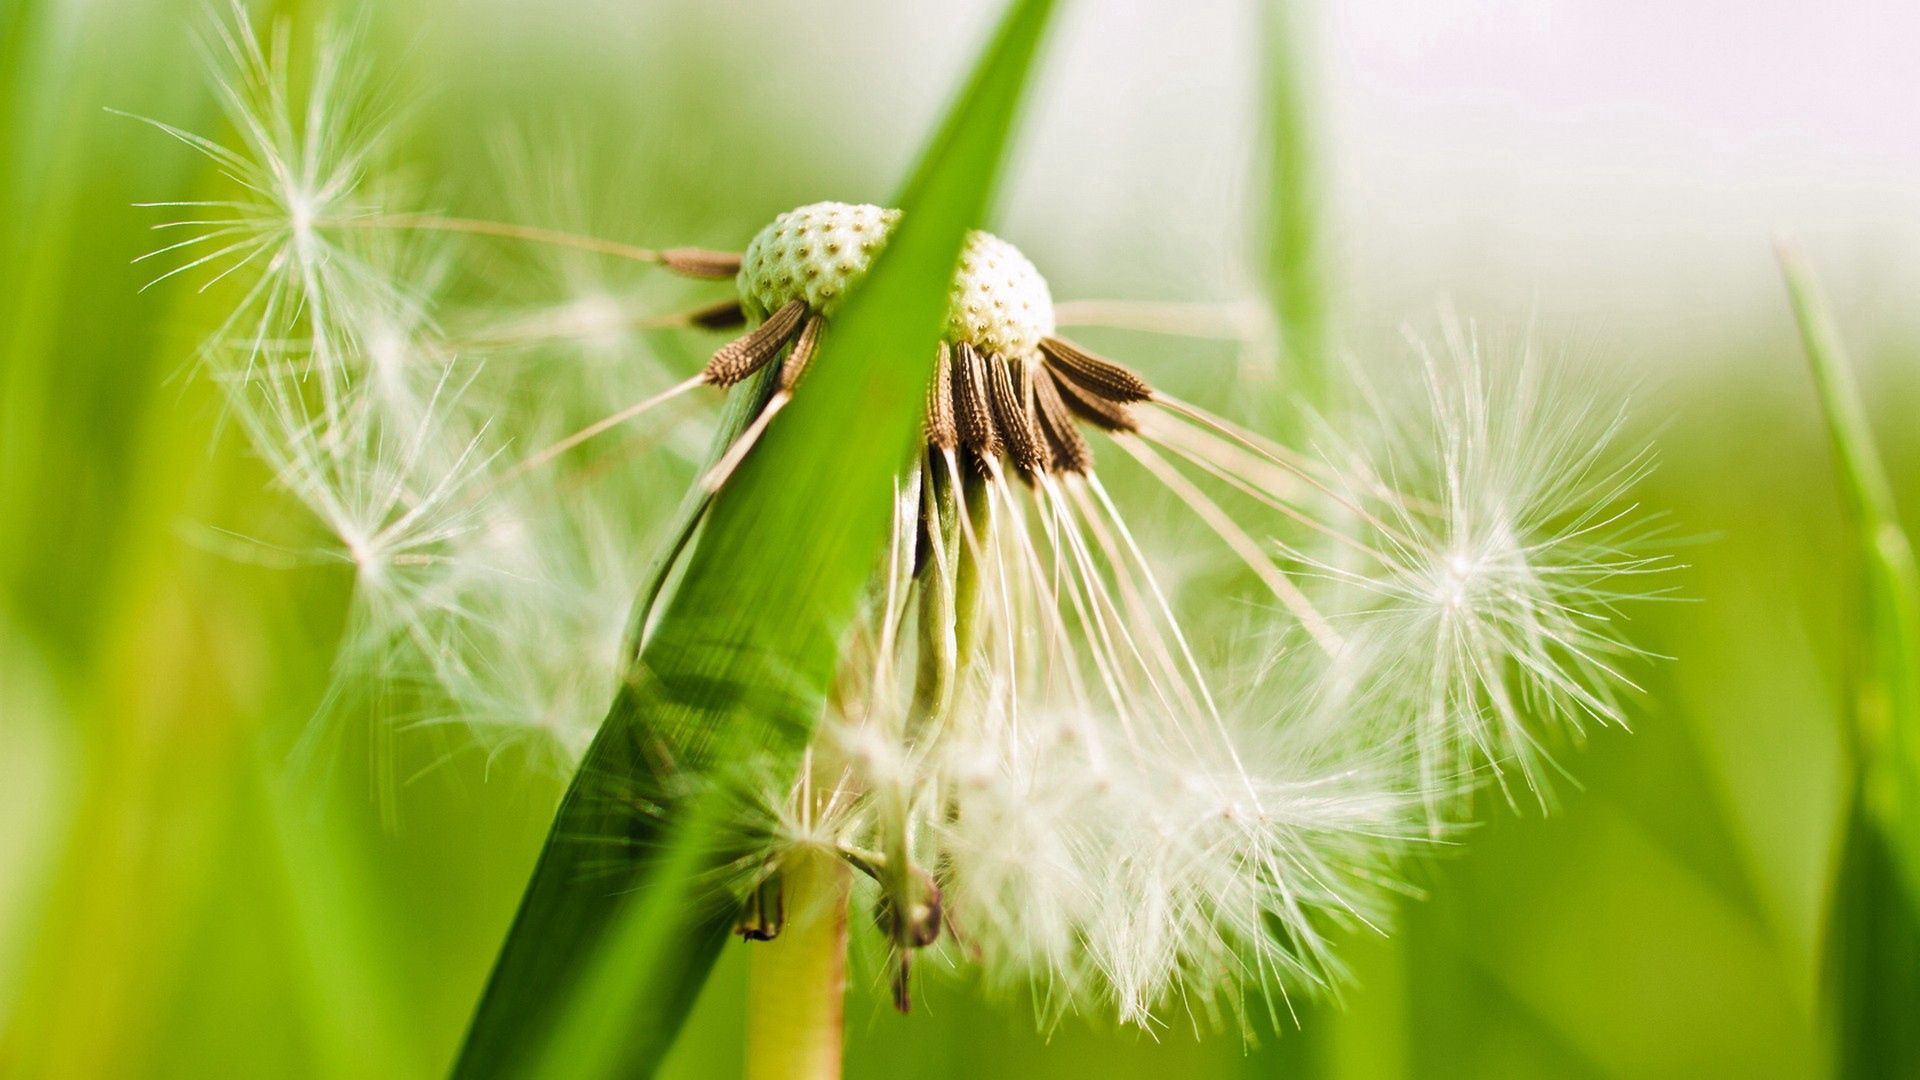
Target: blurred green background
point(177, 899)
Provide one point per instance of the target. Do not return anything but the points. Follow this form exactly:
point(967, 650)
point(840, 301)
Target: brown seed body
point(745, 355)
point(1070, 450)
point(942, 430)
point(973, 403)
point(1026, 444)
point(701, 263)
point(1097, 375)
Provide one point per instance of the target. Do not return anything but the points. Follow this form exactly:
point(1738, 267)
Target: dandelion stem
point(796, 983)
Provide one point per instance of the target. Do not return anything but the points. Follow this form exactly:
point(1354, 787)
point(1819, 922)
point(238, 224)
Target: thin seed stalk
point(796, 983)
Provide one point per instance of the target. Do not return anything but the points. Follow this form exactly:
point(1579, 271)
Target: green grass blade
point(1295, 294)
point(611, 944)
point(1886, 708)
point(1872, 960)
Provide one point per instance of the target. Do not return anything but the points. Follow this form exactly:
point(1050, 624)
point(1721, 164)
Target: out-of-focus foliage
point(177, 899)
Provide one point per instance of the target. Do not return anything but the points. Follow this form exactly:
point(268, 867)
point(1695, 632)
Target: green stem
point(796, 983)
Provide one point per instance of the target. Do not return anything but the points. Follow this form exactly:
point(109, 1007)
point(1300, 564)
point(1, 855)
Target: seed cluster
point(1000, 303)
point(813, 254)
point(816, 253)
point(1006, 387)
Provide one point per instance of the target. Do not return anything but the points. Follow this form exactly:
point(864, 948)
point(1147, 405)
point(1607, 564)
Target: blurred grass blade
point(359, 1025)
point(1872, 961)
point(1886, 705)
point(1296, 289)
point(612, 943)
point(1296, 307)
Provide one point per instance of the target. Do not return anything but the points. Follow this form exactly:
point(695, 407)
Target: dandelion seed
point(408, 422)
point(1507, 544)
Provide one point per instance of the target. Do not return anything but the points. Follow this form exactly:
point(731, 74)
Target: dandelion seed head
point(815, 253)
point(999, 303)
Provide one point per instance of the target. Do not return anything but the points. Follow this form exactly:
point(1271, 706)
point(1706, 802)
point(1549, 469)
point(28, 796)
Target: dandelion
point(1030, 760)
point(1045, 758)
